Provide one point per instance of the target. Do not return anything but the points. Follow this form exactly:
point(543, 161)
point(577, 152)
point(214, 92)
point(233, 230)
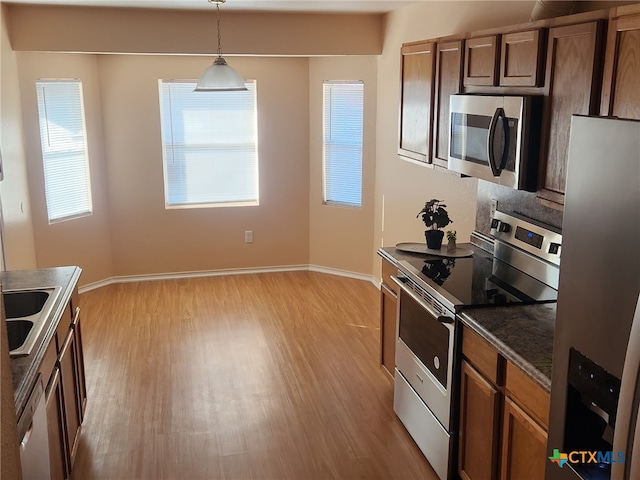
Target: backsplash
point(510, 200)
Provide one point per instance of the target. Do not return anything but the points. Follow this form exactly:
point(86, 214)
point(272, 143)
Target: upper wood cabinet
point(573, 88)
point(417, 75)
point(448, 82)
point(481, 61)
point(621, 85)
point(521, 59)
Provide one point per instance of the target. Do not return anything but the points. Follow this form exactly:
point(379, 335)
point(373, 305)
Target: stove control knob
point(494, 223)
point(554, 248)
point(504, 227)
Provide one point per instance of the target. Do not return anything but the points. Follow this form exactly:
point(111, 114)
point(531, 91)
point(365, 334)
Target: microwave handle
point(491, 153)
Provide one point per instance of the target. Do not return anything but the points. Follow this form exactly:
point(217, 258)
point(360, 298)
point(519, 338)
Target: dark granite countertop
point(25, 369)
point(523, 334)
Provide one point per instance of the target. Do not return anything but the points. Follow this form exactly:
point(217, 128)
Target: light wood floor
point(266, 376)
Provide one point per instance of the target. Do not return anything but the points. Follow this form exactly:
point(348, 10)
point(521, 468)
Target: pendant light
point(219, 77)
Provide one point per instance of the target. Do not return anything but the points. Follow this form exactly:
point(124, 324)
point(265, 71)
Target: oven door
point(425, 349)
point(485, 137)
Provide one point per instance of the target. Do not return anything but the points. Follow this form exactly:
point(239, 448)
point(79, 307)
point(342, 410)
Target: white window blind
point(342, 145)
point(210, 146)
point(64, 149)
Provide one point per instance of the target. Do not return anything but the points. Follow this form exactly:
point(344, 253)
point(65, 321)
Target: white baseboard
point(212, 273)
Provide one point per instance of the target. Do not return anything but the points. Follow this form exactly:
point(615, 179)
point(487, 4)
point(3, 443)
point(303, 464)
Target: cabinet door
point(448, 82)
point(621, 84)
point(573, 88)
point(69, 381)
point(524, 445)
point(79, 362)
point(55, 426)
point(388, 306)
point(479, 426)
point(481, 61)
point(521, 59)
point(416, 110)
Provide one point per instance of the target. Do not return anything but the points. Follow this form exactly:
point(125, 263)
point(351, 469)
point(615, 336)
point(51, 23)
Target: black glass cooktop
point(479, 280)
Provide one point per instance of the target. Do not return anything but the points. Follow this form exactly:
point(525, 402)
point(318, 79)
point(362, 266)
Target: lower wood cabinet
point(524, 444)
point(503, 417)
point(56, 428)
point(388, 312)
point(388, 306)
point(66, 394)
point(479, 432)
point(69, 380)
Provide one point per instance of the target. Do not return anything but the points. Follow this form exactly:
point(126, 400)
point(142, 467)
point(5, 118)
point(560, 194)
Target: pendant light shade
point(219, 77)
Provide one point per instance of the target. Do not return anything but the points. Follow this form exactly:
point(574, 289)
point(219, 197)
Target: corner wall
point(84, 241)
point(341, 237)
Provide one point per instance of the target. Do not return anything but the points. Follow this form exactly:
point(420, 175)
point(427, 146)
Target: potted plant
point(451, 244)
point(435, 217)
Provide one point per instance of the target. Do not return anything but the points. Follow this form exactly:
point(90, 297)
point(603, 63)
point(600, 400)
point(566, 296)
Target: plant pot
point(434, 239)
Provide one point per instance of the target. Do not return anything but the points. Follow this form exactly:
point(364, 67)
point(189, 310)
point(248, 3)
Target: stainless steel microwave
point(496, 138)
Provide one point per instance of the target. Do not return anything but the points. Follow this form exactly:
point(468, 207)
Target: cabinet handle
point(52, 383)
point(67, 342)
point(76, 315)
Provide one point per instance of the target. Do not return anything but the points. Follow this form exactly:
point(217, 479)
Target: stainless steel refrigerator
point(597, 300)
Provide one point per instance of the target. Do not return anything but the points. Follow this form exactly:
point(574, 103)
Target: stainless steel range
point(524, 268)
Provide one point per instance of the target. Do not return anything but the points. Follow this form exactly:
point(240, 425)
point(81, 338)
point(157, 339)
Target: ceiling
point(337, 6)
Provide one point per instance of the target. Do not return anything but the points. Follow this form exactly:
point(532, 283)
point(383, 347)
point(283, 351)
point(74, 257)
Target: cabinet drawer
point(482, 355)
point(528, 394)
point(389, 269)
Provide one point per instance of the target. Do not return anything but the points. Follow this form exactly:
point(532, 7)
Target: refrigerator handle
point(627, 431)
point(499, 115)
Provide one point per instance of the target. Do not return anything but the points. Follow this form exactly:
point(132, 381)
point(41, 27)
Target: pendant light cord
point(219, 31)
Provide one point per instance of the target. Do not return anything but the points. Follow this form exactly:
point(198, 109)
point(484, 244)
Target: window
point(209, 144)
point(342, 143)
point(64, 149)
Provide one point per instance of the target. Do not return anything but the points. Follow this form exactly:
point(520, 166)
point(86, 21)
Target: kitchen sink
point(18, 331)
point(27, 312)
point(24, 303)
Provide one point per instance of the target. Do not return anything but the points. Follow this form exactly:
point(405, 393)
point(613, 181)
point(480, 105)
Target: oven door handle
point(446, 321)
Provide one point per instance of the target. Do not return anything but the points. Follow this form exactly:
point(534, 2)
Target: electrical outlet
point(248, 236)
point(494, 207)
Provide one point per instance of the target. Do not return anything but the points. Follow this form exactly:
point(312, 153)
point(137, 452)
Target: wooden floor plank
point(262, 376)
